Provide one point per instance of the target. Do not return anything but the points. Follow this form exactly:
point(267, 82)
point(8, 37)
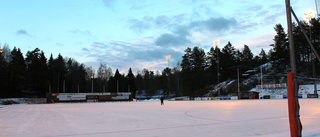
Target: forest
point(33, 75)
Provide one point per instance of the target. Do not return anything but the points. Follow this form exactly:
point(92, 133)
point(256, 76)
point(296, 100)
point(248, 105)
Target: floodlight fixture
point(168, 57)
point(216, 42)
point(308, 14)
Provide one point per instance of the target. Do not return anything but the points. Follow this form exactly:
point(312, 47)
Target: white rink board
point(220, 118)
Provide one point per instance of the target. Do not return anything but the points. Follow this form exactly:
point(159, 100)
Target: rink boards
point(83, 97)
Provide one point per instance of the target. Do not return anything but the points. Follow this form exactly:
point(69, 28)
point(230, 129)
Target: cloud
point(179, 36)
point(171, 40)
point(138, 26)
point(108, 3)
point(162, 20)
point(125, 55)
point(85, 32)
point(255, 8)
point(22, 32)
point(59, 44)
point(260, 41)
point(215, 24)
point(148, 18)
point(139, 5)
point(157, 53)
point(85, 50)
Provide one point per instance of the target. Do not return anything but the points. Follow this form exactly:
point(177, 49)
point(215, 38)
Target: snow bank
point(9, 101)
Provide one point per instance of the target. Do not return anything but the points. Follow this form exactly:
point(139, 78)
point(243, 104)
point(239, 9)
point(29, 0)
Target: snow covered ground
point(232, 118)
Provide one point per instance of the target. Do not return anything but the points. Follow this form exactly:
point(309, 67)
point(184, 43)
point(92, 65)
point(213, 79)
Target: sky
point(140, 34)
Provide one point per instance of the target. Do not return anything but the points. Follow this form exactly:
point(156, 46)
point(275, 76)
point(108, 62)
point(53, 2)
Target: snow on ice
point(232, 118)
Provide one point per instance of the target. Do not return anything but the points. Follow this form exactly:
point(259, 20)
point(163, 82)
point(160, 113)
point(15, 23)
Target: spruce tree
point(280, 55)
point(247, 56)
point(4, 84)
point(263, 58)
point(131, 83)
point(17, 72)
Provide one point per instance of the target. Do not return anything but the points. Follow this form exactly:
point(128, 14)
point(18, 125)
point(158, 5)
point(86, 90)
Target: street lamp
point(216, 43)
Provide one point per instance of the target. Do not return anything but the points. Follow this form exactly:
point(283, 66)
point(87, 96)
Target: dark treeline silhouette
point(34, 75)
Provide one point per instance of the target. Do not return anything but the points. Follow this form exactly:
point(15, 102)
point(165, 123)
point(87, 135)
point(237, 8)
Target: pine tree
point(52, 74)
point(212, 61)
point(186, 60)
point(131, 83)
point(280, 55)
point(139, 83)
point(4, 84)
point(37, 73)
point(227, 59)
point(60, 71)
point(117, 82)
point(17, 72)
point(263, 58)
point(186, 78)
point(198, 63)
point(247, 56)
point(238, 58)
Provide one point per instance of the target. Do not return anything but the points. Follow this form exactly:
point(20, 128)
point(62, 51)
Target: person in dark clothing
point(162, 100)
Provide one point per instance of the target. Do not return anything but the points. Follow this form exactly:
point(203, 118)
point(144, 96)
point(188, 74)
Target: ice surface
point(232, 118)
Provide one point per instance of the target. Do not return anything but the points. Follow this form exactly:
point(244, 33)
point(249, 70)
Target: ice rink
point(238, 118)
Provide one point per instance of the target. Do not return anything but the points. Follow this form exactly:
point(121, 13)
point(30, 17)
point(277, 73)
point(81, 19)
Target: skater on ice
point(162, 100)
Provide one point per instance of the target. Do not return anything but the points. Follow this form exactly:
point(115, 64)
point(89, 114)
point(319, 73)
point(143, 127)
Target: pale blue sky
point(139, 33)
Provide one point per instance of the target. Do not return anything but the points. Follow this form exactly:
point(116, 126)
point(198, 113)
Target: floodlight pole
point(293, 102)
point(261, 78)
point(308, 16)
point(168, 58)
point(217, 42)
point(318, 14)
point(238, 82)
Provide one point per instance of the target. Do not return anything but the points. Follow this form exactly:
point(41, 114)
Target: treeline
point(198, 70)
point(34, 76)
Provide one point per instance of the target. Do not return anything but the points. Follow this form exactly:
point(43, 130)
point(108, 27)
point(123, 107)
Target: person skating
point(162, 100)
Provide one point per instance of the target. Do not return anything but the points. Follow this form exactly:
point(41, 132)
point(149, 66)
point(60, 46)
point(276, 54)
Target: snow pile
point(221, 86)
point(9, 101)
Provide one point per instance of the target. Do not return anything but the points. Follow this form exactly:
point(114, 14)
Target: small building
point(249, 95)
